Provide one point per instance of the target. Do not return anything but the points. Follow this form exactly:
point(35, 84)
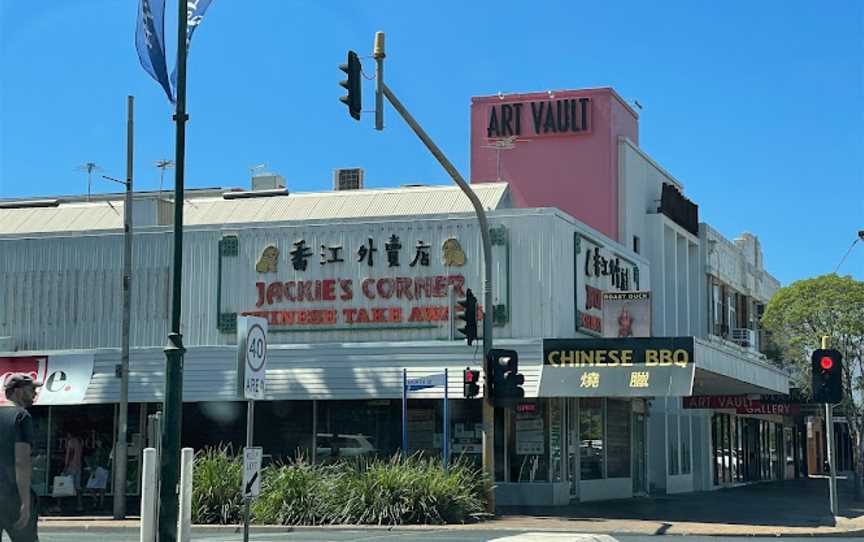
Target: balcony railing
point(744, 337)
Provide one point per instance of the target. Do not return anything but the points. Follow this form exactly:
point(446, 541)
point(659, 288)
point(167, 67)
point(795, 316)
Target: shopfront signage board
point(634, 367)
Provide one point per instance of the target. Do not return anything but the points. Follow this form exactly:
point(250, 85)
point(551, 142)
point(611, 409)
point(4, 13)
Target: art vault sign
point(636, 367)
point(538, 118)
point(368, 281)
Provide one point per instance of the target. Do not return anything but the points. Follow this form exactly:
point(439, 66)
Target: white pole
point(148, 496)
point(187, 463)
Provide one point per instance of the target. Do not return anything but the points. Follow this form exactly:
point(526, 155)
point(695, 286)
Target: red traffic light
point(826, 363)
point(469, 376)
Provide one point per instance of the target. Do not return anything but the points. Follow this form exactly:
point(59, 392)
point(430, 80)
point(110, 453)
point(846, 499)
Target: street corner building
point(636, 325)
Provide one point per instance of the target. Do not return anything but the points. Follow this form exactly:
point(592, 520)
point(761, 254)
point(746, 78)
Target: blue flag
point(194, 15)
point(150, 42)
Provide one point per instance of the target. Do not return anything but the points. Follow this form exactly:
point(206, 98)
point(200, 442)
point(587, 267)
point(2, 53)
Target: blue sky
point(755, 106)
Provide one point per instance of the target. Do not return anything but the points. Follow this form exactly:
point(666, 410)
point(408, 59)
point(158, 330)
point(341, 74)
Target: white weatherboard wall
point(303, 372)
point(61, 292)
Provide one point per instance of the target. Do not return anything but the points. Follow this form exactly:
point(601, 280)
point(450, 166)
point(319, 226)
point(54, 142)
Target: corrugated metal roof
point(406, 201)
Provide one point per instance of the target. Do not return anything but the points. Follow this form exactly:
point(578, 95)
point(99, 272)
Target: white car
point(341, 445)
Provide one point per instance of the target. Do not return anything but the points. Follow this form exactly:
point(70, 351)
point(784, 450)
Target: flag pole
point(174, 351)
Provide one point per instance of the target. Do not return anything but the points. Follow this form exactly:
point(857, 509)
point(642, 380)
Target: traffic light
point(502, 368)
point(827, 374)
point(353, 85)
point(469, 316)
point(470, 383)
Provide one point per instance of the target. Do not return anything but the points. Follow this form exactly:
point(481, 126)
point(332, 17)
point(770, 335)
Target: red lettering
point(385, 288)
point(422, 285)
point(274, 293)
point(403, 288)
point(328, 290)
point(261, 287)
point(289, 291)
point(379, 316)
point(395, 315)
point(349, 315)
point(307, 294)
point(317, 290)
point(457, 281)
point(347, 293)
point(367, 291)
point(440, 286)
point(416, 315)
point(362, 316)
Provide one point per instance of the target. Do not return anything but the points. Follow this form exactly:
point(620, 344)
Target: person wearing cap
point(18, 517)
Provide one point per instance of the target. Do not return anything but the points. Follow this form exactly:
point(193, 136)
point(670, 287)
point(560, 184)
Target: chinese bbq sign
point(637, 367)
point(391, 280)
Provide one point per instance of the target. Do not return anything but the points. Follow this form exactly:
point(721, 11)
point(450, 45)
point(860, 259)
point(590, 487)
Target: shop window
point(284, 429)
point(715, 440)
point(685, 445)
point(672, 438)
point(556, 436)
point(370, 428)
point(591, 438)
point(618, 438)
point(529, 457)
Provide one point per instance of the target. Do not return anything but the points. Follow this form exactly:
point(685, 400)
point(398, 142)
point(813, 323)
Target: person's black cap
point(18, 380)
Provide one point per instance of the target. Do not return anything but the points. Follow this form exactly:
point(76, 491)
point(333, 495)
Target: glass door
point(639, 463)
point(572, 446)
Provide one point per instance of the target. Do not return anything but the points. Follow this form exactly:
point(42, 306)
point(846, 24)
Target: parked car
point(339, 445)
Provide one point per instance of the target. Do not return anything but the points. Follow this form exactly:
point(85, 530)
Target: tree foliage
point(799, 315)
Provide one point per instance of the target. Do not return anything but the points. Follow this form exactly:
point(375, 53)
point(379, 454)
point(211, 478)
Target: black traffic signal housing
point(353, 84)
point(502, 368)
point(470, 383)
point(827, 376)
point(469, 316)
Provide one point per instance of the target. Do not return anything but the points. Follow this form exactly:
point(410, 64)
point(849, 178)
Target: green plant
point(216, 495)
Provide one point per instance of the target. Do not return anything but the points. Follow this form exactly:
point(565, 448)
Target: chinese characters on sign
point(590, 380)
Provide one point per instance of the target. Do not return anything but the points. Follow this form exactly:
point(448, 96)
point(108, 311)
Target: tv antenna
point(89, 167)
point(503, 144)
point(254, 169)
point(163, 165)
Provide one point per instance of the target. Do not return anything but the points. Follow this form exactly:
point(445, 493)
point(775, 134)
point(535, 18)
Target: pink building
point(556, 149)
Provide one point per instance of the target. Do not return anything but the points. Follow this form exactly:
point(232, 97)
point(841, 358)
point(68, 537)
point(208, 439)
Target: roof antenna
point(163, 165)
point(89, 167)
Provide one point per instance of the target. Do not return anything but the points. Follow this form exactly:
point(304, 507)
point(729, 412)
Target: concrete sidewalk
point(792, 508)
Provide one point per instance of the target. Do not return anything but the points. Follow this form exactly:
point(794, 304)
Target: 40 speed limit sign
point(252, 355)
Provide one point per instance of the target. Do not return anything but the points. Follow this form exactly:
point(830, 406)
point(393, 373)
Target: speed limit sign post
point(251, 378)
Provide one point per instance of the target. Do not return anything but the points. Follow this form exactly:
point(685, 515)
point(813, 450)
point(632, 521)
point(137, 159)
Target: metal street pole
point(250, 431)
point(488, 409)
point(120, 454)
point(173, 402)
point(829, 437)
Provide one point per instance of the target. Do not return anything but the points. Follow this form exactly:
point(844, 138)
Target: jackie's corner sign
point(635, 367)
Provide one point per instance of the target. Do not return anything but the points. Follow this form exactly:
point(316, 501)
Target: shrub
point(391, 491)
point(216, 494)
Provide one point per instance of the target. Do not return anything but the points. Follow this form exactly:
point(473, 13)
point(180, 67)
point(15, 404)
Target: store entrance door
point(640, 477)
point(572, 420)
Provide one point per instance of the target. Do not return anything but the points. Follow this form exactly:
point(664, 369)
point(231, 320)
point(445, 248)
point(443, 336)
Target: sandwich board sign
point(252, 356)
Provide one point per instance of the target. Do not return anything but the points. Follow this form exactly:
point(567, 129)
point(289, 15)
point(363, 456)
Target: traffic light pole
point(488, 409)
point(829, 437)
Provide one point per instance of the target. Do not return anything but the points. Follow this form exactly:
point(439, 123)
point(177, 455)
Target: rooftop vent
point(348, 179)
point(267, 181)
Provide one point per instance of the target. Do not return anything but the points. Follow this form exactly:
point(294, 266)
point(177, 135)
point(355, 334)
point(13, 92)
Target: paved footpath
point(790, 508)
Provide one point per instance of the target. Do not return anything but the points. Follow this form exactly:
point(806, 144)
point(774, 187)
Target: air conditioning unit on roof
point(348, 179)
